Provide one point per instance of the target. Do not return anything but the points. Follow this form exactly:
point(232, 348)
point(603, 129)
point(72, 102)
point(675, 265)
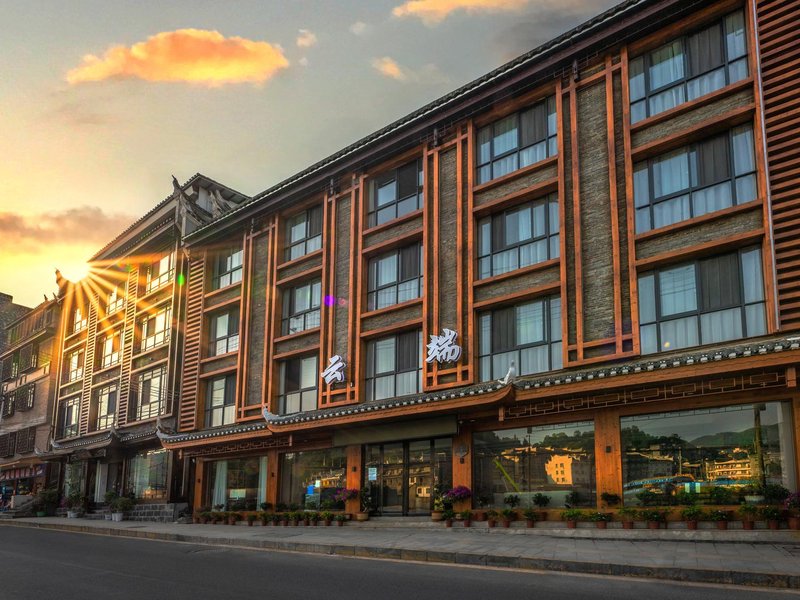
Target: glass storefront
point(237, 484)
point(714, 452)
point(147, 475)
point(310, 479)
point(554, 460)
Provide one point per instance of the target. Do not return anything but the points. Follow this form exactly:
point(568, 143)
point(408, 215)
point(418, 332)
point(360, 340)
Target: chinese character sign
point(443, 348)
point(334, 373)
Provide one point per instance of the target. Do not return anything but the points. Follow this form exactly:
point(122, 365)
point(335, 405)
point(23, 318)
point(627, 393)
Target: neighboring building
point(121, 358)
point(8, 312)
point(28, 380)
point(613, 214)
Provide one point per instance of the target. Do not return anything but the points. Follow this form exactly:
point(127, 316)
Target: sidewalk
point(762, 558)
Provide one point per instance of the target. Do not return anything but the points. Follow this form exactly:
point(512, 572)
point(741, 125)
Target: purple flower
point(344, 494)
point(460, 492)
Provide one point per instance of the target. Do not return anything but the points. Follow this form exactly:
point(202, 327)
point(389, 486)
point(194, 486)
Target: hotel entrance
point(403, 477)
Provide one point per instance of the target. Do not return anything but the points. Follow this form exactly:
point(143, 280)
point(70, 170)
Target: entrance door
point(403, 476)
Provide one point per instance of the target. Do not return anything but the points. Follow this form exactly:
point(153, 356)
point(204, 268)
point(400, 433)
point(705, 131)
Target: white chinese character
point(335, 370)
point(443, 348)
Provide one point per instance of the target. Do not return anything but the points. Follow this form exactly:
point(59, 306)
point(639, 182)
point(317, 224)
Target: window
point(110, 349)
point(688, 67)
point(106, 407)
point(221, 401)
point(517, 141)
point(160, 272)
point(557, 460)
point(695, 180)
point(147, 475)
point(395, 193)
point(304, 233)
point(26, 440)
point(23, 397)
point(114, 302)
point(395, 277)
point(7, 409)
point(528, 334)
point(702, 302)
point(68, 414)
point(301, 306)
point(237, 484)
point(713, 452)
point(74, 365)
point(156, 329)
point(224, 333)
point(311, 479)
point(79, 319)
point(227, 268)
point(151, 394)
point(298, 385)
point(518, 237)
point(394, 366)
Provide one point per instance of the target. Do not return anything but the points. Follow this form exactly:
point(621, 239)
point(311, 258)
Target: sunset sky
point(101, 101)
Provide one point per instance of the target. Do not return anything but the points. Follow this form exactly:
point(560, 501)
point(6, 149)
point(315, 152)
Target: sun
point(75, 271)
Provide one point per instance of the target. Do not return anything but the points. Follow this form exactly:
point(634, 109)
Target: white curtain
point(221, 482)
point(262, 480)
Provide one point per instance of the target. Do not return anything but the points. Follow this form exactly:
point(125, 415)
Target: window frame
point(231, 338)
point(110, 359)
point(283, 394)
point(69, 429)
point(550, 236)
point(699, 311)
point(289, 312)
point(139, 412)
point(114, 302)
point(104, 417)
point(227, 408)
point(74, 374)
point(79, 321)
point(684, 81)
point(372, 375)
point(550, 140)
point(554, 345)
point(374, 289)
point(223, 275)
point(159, 337)
point(373, 210)
point(309, 239)
point(156, 279)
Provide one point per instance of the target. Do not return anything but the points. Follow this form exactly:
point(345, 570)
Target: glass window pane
point(667, 99)
point(642, 219)
point(756, 320)
point(484, 145)
point(721, 325)
point(648, 336)
point(505, 135)
point(745, 189)
point(385, 355)
point(735, 35)
point(302, 298)
point(387, 193)
point(678, 290)
point(743, 150)
point(752, 278)
point(504, 166)
point(636, 74)
point(530, 323)
point(485, 333)
point(638, 111)
point(666, 64)
point(641, 185)
point(671, 211)
point(485, 236)
point(384, 387)
point(308, 372)
point(737, 70)
point(705, 84)
point(387, 269)
point(670, 173)
point(678, 333)
point(534, 360)
point(712, 198)
point(297, 228)
point(533, 154)
point(647, 298)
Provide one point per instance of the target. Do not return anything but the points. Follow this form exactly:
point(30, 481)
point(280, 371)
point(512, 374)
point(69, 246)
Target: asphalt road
point(39, 564)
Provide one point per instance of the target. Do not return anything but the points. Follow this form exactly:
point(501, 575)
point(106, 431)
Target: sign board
point(372, 473)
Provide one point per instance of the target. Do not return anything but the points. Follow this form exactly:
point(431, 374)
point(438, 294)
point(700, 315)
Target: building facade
point(28, 379)
point(575, 276)
point(121, 356)
point(9, 311)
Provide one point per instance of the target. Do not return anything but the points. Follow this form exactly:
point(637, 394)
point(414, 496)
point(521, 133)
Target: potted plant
point(234, 517)
point(792, 506)
point(345, 494)
point(457, 494)
point(654, 518)
point(609, 499)
point(75, 504)
point(748, 513)
point(438, 509)
point(627, 515)
point(266, 506)
point(326, 517)
point(775, 493)
point(205, 517)
point(366, 504)
point(340, 519)
point(692, 514)
point(572, 516)
point(530, 517)
point(772, 515)
point(508, 515)
point(600, 519)
point(512, 500)
point(466, 517)
point(49, 500)
point(251, 518)
point(448, 517)
point(120, 506)
point(541, 500)
point(720, 517)
point(647, 498)
point(491, 517)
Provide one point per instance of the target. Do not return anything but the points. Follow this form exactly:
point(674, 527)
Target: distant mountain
point(736, 438)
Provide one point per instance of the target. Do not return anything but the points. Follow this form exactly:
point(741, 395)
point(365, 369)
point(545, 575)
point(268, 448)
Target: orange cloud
point(306, 38)
point(433, 12)
point(388, 67)
point(185, 55)
point(427, 74)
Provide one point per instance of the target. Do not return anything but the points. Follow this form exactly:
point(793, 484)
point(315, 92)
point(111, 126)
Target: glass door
point(393, 479)
point(420, 480)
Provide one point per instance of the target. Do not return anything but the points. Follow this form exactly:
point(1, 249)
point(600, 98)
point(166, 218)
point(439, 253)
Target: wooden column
point(199, 472)
point(796, 431)
point(462, 467)
point(608, 454)
point(353, 476)
point(273, 464)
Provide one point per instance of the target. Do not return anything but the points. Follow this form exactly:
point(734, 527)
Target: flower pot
point(73, 514)
point(653, 525)
point(794, 522)
point(306, 522)
point(232, 521)
point(530, 523)
point(327, 522)
point(117, 517)
point(467, 522)
point(480, 516)
point(627, 524)
point(691, 525)
point(748, 525)
point(773, 524)
point(601, 524)
point(722, 525)
point(490, 523)
point(294, 522)
point(543, 515)
point(340, 523)
point(437, 515)
point(107, 516)
point(285, 522)
point(506, 523)
point(250, 523)
point(362, 516)
point(448, 522)
point(572, 524)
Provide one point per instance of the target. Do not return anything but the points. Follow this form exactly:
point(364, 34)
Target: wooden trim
point(534, 192)
point(576, 220)
point(714, 246)
point(388, 329)
point(471, 257)
point(294, 336)
point(712, 216)
point(287, 281)
point(396, 242)
point(148, 366)
point(392, 308)
point(705, 100)
point(614, 208)
point(562, 224)
point(314, 348)
point(220, 291)
point(597, 77)
point(244, 323)
point(699, 131)
point(357, 261)
point(398, 160)
point(207, 310)
point(211, 359)
point(301, 259)
point(545, 162)
point(542, 266)
point(394, 222)
point(505, 107)
point(539, 290)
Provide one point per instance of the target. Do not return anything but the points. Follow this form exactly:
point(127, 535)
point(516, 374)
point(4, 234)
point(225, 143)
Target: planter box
point(117, 517)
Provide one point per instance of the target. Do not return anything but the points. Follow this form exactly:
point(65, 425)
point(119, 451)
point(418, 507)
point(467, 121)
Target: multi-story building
point(9, 311)
point(588, 252)
point(121, 354)
point(28, 379)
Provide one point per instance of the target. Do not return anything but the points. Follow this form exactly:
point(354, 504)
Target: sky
point(101, 102)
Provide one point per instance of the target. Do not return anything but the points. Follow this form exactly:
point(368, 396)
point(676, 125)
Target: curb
point(741, 578)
